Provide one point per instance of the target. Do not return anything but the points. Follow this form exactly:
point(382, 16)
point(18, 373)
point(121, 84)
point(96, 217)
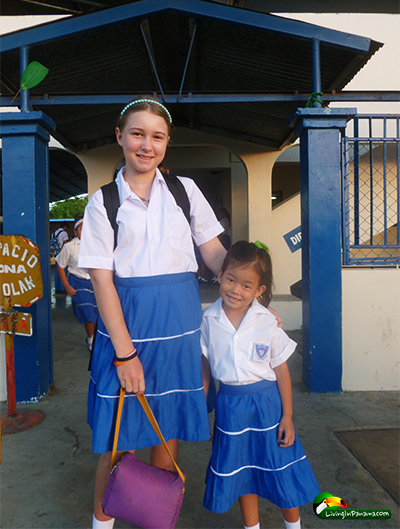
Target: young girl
point(79, 286)
point(255, 449)
point(148, 338)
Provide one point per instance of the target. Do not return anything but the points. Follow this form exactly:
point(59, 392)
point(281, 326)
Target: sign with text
point(21, 325)
point(20, 271)
point(293, 239)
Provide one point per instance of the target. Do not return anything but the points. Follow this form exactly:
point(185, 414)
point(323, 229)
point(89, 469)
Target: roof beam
point(123, 99)
point(192, 8)
point(146, 33)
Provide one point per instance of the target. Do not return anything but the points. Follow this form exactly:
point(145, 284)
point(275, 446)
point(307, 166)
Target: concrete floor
point(47, 473)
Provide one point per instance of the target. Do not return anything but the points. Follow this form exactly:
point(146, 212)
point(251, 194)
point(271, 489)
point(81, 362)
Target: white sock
point(294, 525)
point(109, 524)
point(89, 339)
point(257, 526)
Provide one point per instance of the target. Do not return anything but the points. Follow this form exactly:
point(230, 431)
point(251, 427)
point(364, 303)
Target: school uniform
point(83, 303)
point(62, 237)
point(154, 269)
point(246, 458)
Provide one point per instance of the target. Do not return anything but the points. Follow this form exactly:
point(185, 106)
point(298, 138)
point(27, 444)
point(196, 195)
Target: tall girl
point(148, 338)
point(255, 449)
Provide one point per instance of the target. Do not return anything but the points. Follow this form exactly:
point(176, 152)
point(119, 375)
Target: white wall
point(382, 71)
point(371, 329)
point(287, 265)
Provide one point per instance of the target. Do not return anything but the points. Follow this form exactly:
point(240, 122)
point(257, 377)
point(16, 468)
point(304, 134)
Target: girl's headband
point(146, 101)
point(77, 223)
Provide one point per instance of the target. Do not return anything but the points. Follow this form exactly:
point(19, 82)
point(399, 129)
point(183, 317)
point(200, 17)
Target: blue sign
point(293, 239)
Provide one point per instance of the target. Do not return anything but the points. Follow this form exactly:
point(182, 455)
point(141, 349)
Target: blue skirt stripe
point(163, 316)
point(83, 303)
point(246, 457)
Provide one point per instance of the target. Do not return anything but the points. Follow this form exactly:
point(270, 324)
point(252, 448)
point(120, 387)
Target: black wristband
point(120, 361)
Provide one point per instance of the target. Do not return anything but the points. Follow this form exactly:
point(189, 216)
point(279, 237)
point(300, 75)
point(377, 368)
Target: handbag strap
point(152, 419)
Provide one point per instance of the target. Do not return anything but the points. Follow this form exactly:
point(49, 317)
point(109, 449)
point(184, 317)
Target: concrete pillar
point(25, 164)
point(319, 131)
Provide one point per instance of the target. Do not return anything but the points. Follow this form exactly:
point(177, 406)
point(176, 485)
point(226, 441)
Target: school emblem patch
point(260, 352)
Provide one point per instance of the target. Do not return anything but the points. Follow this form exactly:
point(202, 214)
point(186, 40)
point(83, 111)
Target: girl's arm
point(213, 254)
point(131, 373)
point(63, 277)
point(286, 434)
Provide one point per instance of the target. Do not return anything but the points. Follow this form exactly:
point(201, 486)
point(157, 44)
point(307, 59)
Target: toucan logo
point(326, 502)
point(331, 507)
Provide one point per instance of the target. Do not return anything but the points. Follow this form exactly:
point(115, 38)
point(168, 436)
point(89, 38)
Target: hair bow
point(262, 246)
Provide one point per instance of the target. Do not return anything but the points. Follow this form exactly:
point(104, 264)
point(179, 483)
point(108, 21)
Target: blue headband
point(146, 101)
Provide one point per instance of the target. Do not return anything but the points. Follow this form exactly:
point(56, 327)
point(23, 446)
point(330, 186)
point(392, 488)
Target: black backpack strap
point(179, 193)
point(112, 203)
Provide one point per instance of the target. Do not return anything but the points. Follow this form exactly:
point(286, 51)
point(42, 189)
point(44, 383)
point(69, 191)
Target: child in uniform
point(79, 286)
point(255, 449)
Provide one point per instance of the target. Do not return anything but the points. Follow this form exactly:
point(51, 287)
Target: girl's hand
point(70, 291)
point(286, 433)
point(277, 316)
point(131, 376)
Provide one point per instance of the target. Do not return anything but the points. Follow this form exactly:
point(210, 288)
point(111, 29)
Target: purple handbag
point(141, 494)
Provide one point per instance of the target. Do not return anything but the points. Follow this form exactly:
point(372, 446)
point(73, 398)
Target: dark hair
point(154, 108)
point(247, 253)
point(77, 217)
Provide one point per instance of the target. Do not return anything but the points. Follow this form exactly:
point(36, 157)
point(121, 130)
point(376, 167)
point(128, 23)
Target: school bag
point(112, 203)
point(54, 244)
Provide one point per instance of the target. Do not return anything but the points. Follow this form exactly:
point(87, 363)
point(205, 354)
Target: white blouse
point(152, 240)
point(248, 354)
point(69, 257)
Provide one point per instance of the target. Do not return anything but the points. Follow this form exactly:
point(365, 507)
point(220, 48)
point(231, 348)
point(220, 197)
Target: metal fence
point(371, 191)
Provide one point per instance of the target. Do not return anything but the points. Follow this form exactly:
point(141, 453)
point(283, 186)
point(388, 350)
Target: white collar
point(123, 186)
point(216, 309)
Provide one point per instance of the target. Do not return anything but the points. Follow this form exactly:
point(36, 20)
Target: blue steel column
point(319, 132)
point(24, 61)
point(25, 164)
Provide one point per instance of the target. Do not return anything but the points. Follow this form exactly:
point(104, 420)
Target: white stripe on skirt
point(258, 468)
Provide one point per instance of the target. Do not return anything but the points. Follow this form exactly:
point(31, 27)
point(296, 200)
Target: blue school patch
point(260, 352)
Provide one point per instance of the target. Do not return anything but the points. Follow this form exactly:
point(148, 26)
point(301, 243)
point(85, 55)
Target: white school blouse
point(248, 354)
point(69, 257)
point(152, 240)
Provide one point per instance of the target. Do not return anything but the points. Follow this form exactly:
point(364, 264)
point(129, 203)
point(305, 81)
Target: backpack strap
point(179, 193)
point(112, 203)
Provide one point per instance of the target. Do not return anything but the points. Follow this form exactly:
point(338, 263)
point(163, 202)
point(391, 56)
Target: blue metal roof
point(193, 8)
point(217, 67)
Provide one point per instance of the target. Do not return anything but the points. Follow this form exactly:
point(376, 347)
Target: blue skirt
point(163, 315)
point(246, 458)
point(83, 303)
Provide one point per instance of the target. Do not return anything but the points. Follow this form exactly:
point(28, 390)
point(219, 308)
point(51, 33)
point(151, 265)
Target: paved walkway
point(47, 473)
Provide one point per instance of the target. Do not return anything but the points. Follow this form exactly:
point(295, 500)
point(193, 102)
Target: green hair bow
point(262, 246)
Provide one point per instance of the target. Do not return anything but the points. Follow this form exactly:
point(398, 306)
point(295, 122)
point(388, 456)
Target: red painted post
point(10, 368)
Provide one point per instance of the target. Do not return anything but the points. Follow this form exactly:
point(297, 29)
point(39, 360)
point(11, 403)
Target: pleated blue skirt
point(163, 315)
point(83, 303)
point(246, 458)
